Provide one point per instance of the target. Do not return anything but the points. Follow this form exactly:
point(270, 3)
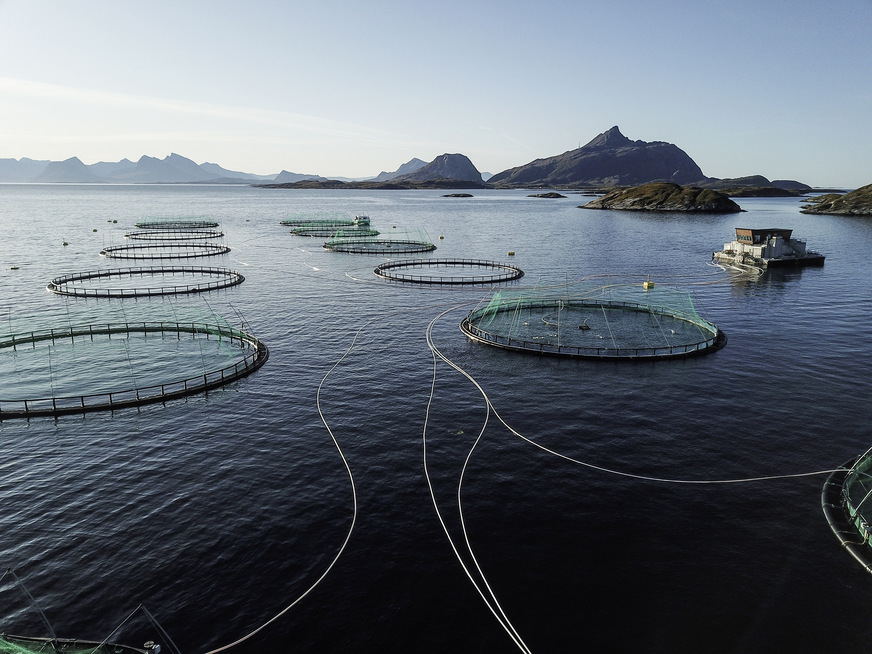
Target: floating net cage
point(613, 321)
point(328, 231)
point(173, 234)
point(176, 223)
point(393, 242)
point(319, 218)
point(98, 366)
point(448, 271)
point(10, 644)
point(130, 282)
point(164, 251)
point(846, 500)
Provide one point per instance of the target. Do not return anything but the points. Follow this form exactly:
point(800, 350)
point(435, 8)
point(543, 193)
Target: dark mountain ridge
point(445, 166)
point(610, 159)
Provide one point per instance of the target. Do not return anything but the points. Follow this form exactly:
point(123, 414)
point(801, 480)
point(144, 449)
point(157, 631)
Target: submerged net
point(23, 645)
point(319, 218)
point(173, 234)
point(857, 496)
point(584, 320)
point(134, 282)
point(329, 231)
point(162, 250)
point(404, 241)
point(448, 271)
point(101, 365)
point(176, 223)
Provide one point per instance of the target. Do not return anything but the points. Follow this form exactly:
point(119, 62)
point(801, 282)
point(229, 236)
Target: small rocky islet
point(665, 196)
point(855, 203)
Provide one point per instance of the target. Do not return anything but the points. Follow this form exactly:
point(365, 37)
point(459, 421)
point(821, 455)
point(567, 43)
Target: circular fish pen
point(448, 271)
point(176, 223)
point(173, 234)
point(616, 322)
point(44, 373)
point(401, 242)
point(319, 218)
point(846, 500)
point(164, 251)
point(126, 281)
point(329, 231)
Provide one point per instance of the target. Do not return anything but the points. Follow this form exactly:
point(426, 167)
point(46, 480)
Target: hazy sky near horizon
point(778, 88)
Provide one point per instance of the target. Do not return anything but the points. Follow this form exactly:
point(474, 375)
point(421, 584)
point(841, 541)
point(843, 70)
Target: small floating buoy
point(441, 237)
point(114, 221)
point(648, 283)
point(511, 253)
point(93, 230)
point(14, 267)
point(65, 244)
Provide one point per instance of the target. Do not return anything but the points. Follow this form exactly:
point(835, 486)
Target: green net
point(24, 645)
point(594, 319)
point(858, 496)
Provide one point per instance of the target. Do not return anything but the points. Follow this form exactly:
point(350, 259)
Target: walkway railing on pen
point(256, 356)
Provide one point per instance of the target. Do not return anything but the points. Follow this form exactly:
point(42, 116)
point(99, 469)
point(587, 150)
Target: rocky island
point(855, 203)
point(665, 196)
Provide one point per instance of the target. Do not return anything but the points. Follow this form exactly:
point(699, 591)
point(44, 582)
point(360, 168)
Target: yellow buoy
point(511, 253)
point(648, 283)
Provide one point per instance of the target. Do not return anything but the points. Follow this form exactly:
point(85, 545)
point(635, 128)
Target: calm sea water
point(506, 503)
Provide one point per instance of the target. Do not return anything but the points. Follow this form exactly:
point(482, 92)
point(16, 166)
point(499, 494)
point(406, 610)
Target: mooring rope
point(490, 598)
point(353, 515)
point(612, 471)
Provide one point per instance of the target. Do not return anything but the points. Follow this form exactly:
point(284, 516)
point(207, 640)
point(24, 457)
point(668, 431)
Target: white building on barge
point(767, 248)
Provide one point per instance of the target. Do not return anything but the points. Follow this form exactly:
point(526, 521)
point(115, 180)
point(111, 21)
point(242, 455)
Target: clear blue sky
point(350, 88)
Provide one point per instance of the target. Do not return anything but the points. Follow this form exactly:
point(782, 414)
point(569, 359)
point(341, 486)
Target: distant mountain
point(755, 186)
point(286, 177)
point(446, 166)
point(169, 170)
point(107, 169)
point(20, 170)
point(408, 167)
point(448, 171)
point(218, 172)
point(174, 169)
point(69, 170)
point(610, 159)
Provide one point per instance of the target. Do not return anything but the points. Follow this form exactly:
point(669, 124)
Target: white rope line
point(353, 517)
point(611, 470)
point(490, 598)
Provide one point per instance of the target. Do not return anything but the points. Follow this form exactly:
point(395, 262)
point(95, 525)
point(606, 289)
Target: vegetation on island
point(665, 196)
point(855, 203)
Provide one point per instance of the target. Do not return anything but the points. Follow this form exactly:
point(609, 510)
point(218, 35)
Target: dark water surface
point(583, 512)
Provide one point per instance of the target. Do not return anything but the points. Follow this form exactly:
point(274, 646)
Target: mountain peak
point(445, 166)
point(610, 159)
point(609, 139)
